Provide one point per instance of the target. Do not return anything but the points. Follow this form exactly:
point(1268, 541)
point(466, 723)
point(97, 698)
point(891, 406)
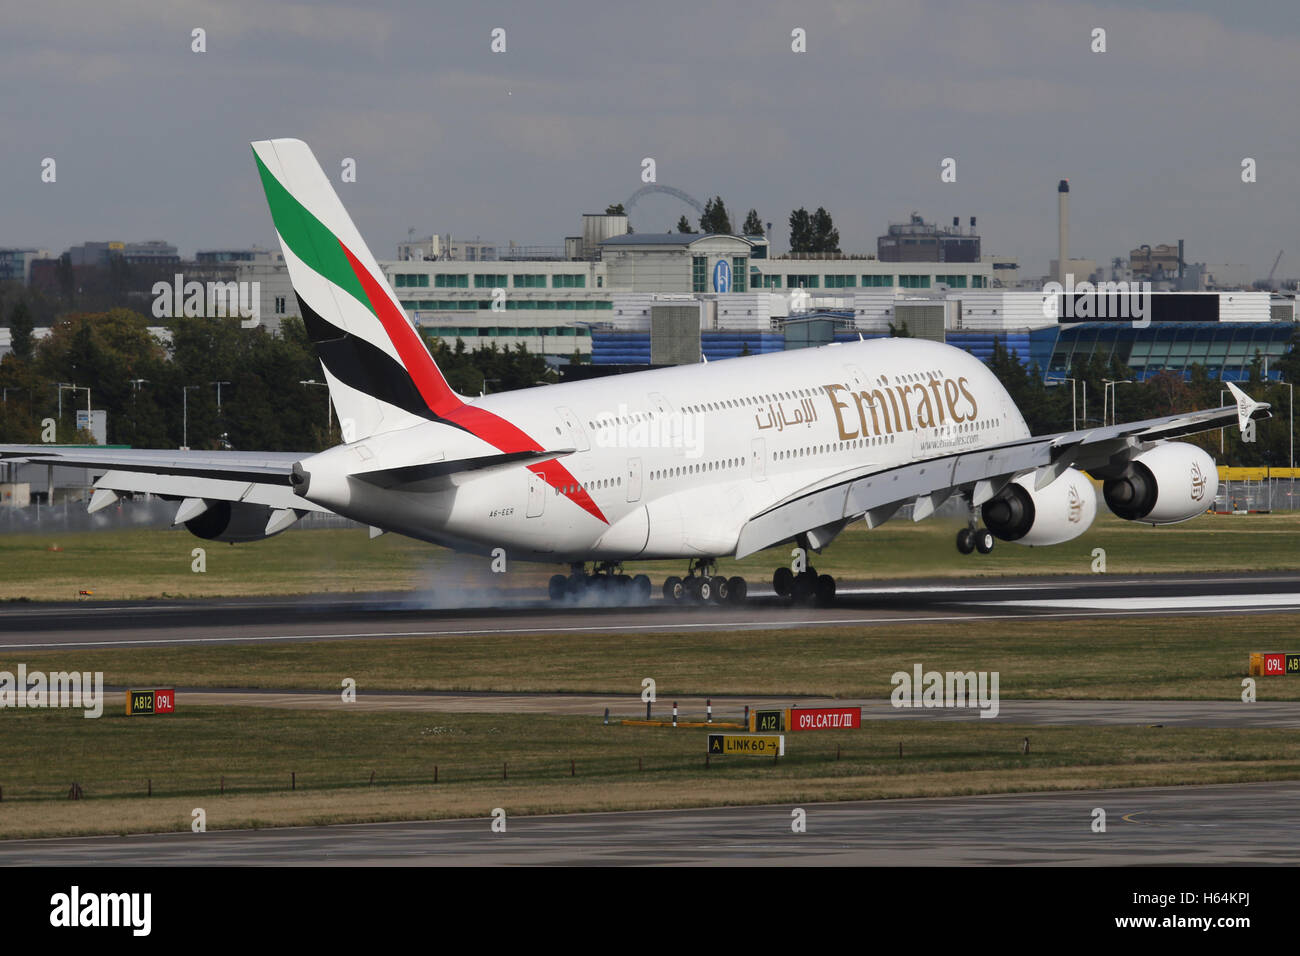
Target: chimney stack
point(1063, 230)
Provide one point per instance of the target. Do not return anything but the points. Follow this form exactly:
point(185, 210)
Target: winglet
point(1246, 406)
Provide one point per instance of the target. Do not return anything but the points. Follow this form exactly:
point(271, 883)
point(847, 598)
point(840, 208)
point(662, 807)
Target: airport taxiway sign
point(751, 745)
point(140, 702)
point(824, 718)
point(769, 721)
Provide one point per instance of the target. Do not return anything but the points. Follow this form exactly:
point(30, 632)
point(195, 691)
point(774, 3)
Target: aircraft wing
point(269, 467)
point(260, 478)
point(876, 493)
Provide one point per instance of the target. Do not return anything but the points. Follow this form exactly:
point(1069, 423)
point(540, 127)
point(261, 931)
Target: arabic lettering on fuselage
point(777, 417)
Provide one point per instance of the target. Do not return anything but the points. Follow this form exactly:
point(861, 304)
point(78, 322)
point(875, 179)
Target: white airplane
point(697, 463)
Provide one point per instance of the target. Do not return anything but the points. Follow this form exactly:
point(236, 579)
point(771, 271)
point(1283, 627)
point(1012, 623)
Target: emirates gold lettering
point(900, 408)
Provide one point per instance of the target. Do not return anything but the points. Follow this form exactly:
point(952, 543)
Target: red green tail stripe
point(323, 252)
point(419, 363)
point(308, 237)
point(444, 403)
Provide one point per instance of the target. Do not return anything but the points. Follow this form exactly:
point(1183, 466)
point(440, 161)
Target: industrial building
point(16, 264)
point(919, 241)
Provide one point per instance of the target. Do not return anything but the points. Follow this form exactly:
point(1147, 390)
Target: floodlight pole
point(185, 403)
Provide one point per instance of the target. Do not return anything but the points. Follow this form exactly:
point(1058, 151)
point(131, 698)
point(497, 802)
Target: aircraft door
point(758, 459)
point(578, 436)
point(634, 479)
point(536, 495)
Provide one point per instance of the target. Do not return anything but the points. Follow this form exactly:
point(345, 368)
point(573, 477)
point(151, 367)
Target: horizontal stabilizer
point(429, 471)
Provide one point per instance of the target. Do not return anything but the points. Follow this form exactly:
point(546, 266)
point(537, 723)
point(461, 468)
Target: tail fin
point(380, 374)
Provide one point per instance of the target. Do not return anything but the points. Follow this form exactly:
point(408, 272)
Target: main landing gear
point(806, 587)
point(605, 584)
point(702, 585)
point(974, 538)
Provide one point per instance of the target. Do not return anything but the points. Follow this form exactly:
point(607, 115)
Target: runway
point(1162, 713)
point(1223, 825)
point(400, 614)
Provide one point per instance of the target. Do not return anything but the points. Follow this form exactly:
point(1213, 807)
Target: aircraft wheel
point(824, 591)
point(704, 590)
point(737, 589)
point(558, 587)
point(803, 588)
point(782, 581)
point(640, 589)
point(965, 540)
point(674, 589)
point(983, 540)
point(721, 589)
point(621, 586)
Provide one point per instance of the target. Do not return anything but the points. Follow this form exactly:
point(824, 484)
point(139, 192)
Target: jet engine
point(1168, 483)
point(1054, 514)
point(233, 521)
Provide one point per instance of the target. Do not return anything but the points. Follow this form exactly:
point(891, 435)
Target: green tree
point(684, 225)
point(753, 225)
point(21, 327)
point(801, 231)
point(1256, 371)
point(825, 237)
point(715, 218)
point(615, 209)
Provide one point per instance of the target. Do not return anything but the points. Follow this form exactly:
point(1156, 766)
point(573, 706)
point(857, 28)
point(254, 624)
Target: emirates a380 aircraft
point(697, 463)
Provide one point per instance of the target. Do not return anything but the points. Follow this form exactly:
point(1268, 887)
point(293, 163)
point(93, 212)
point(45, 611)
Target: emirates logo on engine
point(1076, 505)
point(1198, 482)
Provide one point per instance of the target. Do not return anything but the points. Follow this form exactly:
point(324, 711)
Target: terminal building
point(628, 299)
point(601, 280)
point(635, 299)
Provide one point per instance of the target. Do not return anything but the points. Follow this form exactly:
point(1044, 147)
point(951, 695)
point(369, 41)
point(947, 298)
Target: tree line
point(268, 401)
point(809, 232)
point(159, 394)
point(1048, 407)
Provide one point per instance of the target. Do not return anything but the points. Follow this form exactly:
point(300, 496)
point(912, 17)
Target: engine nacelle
point(1058, 513)
point(1166, 484)
point(231, 521)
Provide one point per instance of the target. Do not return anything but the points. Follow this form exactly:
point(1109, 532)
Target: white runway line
point(1182, 603)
